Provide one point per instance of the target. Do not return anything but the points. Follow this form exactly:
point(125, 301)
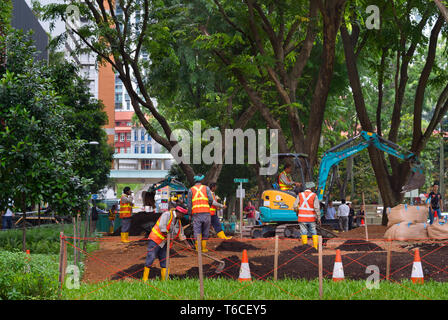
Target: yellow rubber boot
point(145, 274)
point(222, 235)
point(204, 245)
point(304, 239)
point(196, 245)
point(163, 273)
point(111, 229)
point(127, 237)
point(124, 238)
point(315, 241)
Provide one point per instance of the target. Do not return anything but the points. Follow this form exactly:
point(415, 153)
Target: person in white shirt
point(343, 212)
point(7, 219)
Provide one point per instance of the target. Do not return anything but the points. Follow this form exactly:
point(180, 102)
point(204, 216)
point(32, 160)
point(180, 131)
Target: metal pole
point(241, 210)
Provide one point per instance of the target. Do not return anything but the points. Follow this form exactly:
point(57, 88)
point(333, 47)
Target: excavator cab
point(302, 170)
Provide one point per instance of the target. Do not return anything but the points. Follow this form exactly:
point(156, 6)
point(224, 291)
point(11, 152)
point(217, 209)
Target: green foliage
point(282, 289)
point(28, 277)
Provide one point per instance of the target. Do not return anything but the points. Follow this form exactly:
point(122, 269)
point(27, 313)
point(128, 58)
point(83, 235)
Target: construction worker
point(168, 222)
point(126, 204)
point(200, 199)
point(435, 203)
point(285, 181)
point(112, 212)
point(214, 219)
point(308, 212)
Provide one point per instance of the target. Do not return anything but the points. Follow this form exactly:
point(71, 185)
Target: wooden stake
point(276, 258)
point(168, 243)
point(84, 247)
point(321, 292)
point(201, 278)
point(61, 259)
point(389, 252)
point(78, 235)
point(365, 217)
point(74, 241)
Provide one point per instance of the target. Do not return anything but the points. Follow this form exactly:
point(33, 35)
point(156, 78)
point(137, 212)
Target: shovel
point(221, 263)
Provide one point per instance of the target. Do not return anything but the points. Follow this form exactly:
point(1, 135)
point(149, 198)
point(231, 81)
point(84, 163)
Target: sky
point(59, 26)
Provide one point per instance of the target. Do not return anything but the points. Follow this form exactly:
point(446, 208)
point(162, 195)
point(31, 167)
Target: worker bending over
point(308, 212)
point(126, 204)
point(199, 201)
point(285, 181)
point(214, 219)
point(168, 222)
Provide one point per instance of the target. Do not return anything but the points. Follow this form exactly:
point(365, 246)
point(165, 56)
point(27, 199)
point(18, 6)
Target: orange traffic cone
point(362, 222)
point(244, 270)
point(338, 269)
point(417, 270)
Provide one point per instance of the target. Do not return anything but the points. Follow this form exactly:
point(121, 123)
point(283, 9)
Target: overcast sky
point(59, 26)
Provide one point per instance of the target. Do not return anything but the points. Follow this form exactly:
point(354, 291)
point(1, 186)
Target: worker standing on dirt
point(214, 219)
point(112, 212)
point(285, 181)
point(435, 203)
point(168, 222)
point(308, 212)
point(126, 204)
point(200, 199)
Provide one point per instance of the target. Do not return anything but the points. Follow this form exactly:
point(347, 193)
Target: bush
point(35, 278)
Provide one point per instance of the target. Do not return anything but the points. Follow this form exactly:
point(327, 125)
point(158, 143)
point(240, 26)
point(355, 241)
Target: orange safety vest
point(158, 236)
point(199, 199)
point(283, 186)
point(125, 209)
point(212, 207)
point(306, 207)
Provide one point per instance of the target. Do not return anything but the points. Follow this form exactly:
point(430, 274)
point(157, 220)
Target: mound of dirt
point(141, 224)
point(358, 245)
point(235, 246)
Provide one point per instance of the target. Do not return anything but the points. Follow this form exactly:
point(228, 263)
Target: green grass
point(134, 187)
point(43, 239)
point(287, 289)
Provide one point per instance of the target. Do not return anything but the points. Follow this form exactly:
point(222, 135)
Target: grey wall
point(23, 18)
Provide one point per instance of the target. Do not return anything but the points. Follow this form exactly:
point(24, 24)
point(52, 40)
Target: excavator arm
point(339, 153)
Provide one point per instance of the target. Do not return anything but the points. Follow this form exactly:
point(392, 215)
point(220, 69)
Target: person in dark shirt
point(435, 203)
point(351, 216)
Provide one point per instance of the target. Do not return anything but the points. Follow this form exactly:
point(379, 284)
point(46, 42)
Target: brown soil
point(115, 260)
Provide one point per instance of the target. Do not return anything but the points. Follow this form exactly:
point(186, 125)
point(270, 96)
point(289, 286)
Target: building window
point(149, 137)
point(142, 148)
point(143, 134)
point(116, 137)
point(122, 150)
point(135, 135)
point(122, 137)
point(149, 148)
point(128, 136)
point(128, 104)
point(117, 150)
point(136, 148)
point(117, 124)
point(128, 150)
point(146, 164)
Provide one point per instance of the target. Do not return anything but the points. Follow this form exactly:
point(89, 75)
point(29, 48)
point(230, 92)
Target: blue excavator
point(277, 214)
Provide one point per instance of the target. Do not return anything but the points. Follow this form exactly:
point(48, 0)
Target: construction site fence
point(271, 259)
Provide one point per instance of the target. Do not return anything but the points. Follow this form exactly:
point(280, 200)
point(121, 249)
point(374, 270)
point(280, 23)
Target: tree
point(36, 145)
point(86, 116)
point(395, 45)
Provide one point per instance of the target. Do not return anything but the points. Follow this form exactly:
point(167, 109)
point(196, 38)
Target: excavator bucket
point(416, 180)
